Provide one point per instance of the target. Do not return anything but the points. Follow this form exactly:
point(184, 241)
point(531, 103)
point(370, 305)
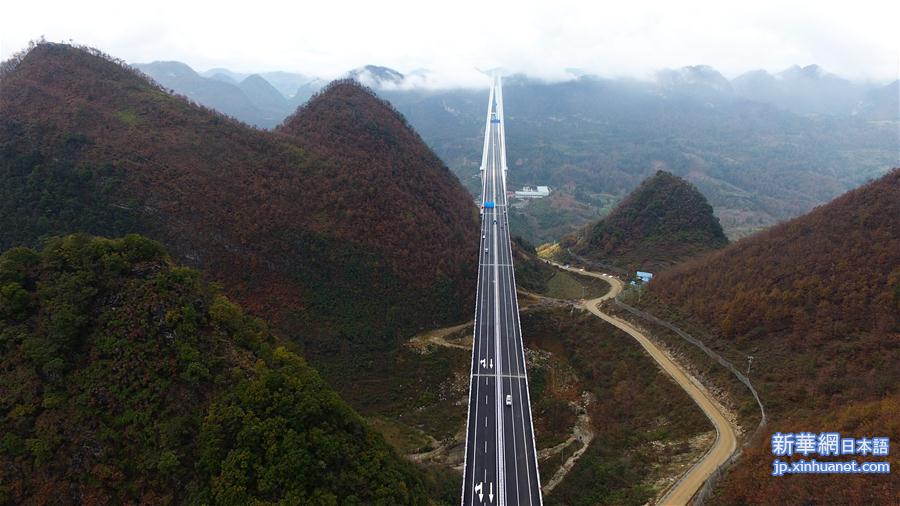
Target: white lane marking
point(511, 336)
point(517, 326)
point(497, 166)
point(501, 456)
point(514, 344)
point(479, 307)
point(503, 301)
point(481, 345)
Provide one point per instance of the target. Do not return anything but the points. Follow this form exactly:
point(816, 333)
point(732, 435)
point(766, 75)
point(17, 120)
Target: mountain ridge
point(664, 221)
point(222, 96)
point(268, 100)
point(784, 89)
point(816, 302)
point(259, 211)
point(126, 378)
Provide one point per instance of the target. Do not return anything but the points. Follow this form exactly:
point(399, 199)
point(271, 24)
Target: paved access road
point(501, 461)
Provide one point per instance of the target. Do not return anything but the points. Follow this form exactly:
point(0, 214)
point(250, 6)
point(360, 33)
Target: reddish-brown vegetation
point(397, 197)
point(342, 224)
point(816, 301)
point(663, 221)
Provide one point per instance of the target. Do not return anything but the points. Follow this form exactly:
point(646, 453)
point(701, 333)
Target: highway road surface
point(501, 460)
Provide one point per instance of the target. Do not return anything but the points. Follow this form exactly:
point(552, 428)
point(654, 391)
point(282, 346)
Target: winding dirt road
point(726, 439)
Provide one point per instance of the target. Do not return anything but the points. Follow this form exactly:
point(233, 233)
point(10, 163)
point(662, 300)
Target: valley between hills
point(194, 310)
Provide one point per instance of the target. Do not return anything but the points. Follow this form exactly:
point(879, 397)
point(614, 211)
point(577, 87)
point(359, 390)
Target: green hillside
point(665, 220)
point(125, 378)
point(343, 233)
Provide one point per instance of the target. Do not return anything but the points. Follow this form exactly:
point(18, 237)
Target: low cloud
point(454, 39)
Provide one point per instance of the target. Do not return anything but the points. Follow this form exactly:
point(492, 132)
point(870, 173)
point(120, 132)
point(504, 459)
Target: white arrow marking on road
point(482, 361)
point(480, 493)
point(492, 363)
point(491, 495)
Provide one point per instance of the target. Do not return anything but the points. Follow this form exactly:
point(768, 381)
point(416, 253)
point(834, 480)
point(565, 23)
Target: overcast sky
point(857, 39)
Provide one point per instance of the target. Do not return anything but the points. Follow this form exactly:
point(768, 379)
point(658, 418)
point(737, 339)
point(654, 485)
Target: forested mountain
point(267, 100)
point(882, 104)
point(664, 221)
point(803, 90)
point(593, 139)
point(816, 302)
point(701, 82)
point(303, 93)
point(125, 378)
point(376, 76)
point(225, 97)
point(286, 83)
point(350, 235)
point(261, 100)
point(385, 162)
point(762, 147)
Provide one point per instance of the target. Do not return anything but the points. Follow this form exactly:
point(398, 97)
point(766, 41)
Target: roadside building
point(533, 192)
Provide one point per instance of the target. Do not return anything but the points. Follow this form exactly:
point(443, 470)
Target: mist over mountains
point(264, 99)
point(802, 90)
point(333, 219)
point(594, 140)
point(337, 194)
point(761, 147)
point(261, 100)
point(280, 220)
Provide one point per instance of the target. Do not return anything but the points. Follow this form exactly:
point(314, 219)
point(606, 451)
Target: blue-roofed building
point(645, 277)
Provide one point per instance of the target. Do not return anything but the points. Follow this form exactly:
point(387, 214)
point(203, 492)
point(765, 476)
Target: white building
point(532, 192)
